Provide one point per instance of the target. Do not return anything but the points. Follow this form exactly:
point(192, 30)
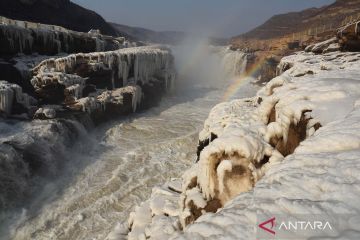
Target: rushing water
point(115, 168)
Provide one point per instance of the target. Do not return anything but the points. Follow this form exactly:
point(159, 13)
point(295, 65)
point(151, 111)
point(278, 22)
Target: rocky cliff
point(101, 84)
point(24, 44)
point(105, 84)
point(29, 37)
point(56, 12)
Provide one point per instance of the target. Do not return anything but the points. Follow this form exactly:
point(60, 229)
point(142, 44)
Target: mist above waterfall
point(204, 66)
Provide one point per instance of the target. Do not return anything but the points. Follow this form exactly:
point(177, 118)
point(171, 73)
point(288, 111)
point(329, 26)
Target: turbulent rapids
point(108, 171)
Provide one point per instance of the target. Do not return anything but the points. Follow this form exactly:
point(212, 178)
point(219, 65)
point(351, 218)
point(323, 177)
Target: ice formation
point(163, 204)
point(28, 37)
point(105, 73)
point(292, 149)
point(12, 93)
point(130, 64)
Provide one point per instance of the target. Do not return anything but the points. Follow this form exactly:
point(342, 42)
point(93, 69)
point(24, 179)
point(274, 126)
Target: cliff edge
point(56, 12)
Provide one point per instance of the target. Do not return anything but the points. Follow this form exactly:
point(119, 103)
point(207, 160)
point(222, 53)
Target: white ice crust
point(146, 64)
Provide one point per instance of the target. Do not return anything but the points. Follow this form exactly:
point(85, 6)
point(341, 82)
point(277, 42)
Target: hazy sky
point(215, 17)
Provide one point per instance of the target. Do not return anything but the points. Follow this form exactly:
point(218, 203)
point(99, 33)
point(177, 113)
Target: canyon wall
point(29, 37)
point(285, 34)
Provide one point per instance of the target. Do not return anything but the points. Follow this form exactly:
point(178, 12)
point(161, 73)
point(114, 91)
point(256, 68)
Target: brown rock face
point(349, 37)
point(203, 144)
point(286, 33)
point(261, 66)
point(313, 19)
point(296, 134)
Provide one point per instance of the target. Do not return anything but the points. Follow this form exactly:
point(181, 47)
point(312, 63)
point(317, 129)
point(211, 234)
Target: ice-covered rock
point(292, 149)
point(104, 83)
point(111, 103)
point(12, 99)
point(47, 112)
point(27, 37)
point(322, 46)
point(131, 65)
point(18, 70)
point(157, 218)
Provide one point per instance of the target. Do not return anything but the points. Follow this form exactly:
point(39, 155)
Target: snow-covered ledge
point(106, 84)
point(292, 149)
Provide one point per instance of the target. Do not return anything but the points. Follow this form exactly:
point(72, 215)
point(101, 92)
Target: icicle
point(10, 92)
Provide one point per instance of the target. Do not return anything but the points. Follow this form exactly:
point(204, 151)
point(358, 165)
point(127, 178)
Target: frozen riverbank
point(292, 149)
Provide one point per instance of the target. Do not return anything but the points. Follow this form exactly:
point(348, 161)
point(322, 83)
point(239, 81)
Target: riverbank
point(289, 150)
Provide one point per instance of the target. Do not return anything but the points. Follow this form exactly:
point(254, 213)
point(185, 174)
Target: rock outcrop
point(349, 37)
point(28, 37)
point(13, 100)
point(286, 33)
point(56, 12)
point(105, 84)
point(100, 84)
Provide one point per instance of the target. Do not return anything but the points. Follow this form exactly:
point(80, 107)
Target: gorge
point(47, 186)
point(110, 137)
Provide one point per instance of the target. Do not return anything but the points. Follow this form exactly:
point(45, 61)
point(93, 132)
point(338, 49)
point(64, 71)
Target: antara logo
point(305, 225)
point(293, 226)
point(269, 223)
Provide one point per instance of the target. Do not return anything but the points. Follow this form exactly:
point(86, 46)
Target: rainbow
point(237, 83)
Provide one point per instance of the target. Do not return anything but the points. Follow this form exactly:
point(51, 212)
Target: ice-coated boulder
point(109, 104)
